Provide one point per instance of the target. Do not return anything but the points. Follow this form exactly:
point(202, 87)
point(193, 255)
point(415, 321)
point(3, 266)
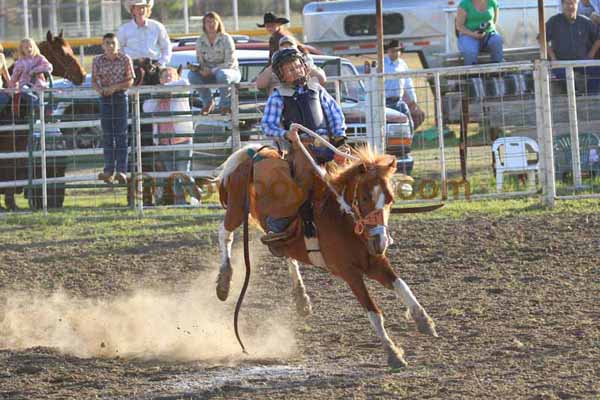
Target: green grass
point(117, 229)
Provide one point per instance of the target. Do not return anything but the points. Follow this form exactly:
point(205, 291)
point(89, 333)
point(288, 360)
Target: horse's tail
point(233, 161)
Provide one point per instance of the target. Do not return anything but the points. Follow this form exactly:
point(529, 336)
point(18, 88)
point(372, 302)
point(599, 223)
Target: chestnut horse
point(65, 64)
point(351, 214)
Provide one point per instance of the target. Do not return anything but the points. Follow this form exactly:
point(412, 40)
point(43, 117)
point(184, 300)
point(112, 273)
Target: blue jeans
point(592, 77)
point(113, 119)
point(178, 160)
point(471, 47)
point(224, 76)
point(4, 100)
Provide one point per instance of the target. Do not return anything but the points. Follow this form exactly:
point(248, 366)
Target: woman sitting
point(476, 26)
point(217, 63)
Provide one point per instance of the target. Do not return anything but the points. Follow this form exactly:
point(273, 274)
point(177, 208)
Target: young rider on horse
point(305, 102)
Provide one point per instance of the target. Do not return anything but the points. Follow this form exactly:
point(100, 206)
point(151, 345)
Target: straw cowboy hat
point(270, 18)
point(131, 3)
point(393, 44)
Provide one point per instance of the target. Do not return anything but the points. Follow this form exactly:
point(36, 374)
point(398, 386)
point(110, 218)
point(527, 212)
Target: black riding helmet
point(282, 57)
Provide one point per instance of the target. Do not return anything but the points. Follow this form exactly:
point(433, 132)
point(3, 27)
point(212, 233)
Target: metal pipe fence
point(497, 131)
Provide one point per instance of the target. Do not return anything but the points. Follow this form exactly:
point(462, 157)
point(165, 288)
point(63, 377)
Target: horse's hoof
point(424, 322)
point(303, 305)
point(396, 358)
point(223, 283)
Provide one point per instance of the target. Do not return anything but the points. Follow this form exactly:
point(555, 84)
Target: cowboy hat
point(270, 18)
point(393, 44)
point(131, 3)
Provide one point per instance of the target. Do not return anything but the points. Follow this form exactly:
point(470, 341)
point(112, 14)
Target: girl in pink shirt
point(28, 73)
point(30, 67)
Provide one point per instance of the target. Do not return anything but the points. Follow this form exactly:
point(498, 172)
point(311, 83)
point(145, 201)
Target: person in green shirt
point(476, 26)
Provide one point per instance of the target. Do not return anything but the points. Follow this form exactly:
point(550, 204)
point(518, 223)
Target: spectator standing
point(170, 133)
point(400, 92)
point(218, 63)
point(275, 26)
point(476, 27)
point(266, 79)
point(28, 73)
point(112, 75)
point(573, 37)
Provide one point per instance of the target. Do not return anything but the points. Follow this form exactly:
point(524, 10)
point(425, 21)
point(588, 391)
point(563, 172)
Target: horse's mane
point(368, 159)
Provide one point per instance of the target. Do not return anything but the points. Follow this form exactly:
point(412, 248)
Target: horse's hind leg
point(395, 354)
point(303, 305)
point(383, 273)
point(225, 271)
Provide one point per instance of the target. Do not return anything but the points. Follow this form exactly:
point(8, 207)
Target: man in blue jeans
point(573, 37)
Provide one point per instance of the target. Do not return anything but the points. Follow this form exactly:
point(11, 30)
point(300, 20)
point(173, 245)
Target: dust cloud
point(148, 324)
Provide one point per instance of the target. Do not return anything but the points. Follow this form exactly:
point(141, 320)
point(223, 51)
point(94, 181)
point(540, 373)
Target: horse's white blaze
point(380, 205)
point(403, 291)
point(225, 243)
point(377, 322)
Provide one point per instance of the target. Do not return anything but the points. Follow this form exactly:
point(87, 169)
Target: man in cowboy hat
point(142, 37)
point(274, 25)
point(399, 92)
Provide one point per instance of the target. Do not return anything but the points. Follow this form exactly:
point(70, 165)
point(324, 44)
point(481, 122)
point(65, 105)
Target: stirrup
point(273, 237)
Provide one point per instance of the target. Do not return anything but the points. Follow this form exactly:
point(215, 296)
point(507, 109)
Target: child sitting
point(170, 133)
point(28, 73)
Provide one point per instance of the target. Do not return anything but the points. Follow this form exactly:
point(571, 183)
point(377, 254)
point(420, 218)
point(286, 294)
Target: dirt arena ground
point(516, 301)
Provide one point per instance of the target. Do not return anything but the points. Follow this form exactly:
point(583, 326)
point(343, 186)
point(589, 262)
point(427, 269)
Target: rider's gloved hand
point(292, 134)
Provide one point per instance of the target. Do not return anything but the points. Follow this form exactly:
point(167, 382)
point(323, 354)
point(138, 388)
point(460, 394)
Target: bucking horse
point(351, 209)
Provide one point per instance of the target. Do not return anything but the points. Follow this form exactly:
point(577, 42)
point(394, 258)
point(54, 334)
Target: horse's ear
point(362, 169)
point(49, 36)
point(60, 35)
point(179, 69)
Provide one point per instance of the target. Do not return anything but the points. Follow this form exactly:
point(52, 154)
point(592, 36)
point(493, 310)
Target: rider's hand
point(292, 134)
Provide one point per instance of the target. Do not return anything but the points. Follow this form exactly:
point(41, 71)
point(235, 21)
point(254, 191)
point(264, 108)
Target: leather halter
point(373, 218)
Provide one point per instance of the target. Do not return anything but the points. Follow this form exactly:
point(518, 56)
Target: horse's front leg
point(395, 354)
point(424, 322)
point(382, 272)
point(303, 305)
point(225, 271)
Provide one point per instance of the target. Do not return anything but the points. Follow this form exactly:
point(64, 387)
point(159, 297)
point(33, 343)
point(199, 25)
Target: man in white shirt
point(142, 37)
point(399, 92)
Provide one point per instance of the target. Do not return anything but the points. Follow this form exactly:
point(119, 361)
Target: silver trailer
point(347, 27)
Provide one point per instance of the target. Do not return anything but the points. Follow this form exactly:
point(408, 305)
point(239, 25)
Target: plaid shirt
point(107, 72)
point(271, 121)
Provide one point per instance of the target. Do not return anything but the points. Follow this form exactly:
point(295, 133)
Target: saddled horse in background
point(349, 244)
point(65, 64)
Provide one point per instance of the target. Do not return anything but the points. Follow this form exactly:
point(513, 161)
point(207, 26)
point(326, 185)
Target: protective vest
point(303, 109)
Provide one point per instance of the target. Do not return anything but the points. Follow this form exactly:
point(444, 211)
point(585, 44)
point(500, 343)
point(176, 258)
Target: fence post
point(138, 197)
point(440, 127)
point(573, 127)
point(40, 93)
point(236, 140)
point(544, 130)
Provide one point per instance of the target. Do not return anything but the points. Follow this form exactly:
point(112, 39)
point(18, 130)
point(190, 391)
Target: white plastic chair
point(515, 159)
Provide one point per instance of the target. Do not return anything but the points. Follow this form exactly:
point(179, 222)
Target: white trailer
point(347, 27)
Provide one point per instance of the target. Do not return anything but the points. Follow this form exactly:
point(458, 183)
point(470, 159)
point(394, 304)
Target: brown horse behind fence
point(349, 244)
point(65, 64)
